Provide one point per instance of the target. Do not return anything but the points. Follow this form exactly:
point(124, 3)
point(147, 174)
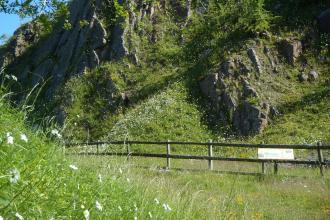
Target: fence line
point(321, 162)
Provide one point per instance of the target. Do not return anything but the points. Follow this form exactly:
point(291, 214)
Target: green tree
point(30, 8)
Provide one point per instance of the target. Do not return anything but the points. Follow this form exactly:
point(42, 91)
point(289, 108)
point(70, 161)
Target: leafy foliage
point(30, 7)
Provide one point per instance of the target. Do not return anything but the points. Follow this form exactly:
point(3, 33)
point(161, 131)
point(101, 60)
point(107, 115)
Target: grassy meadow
point(235, 191)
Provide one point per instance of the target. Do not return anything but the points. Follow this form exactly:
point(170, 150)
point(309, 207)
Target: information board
point(276, 154)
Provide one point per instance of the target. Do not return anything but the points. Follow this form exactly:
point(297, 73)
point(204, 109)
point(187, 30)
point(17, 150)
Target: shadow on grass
point(321, 95)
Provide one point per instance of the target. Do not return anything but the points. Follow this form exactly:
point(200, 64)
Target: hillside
point(100, 64)
point(252, 71)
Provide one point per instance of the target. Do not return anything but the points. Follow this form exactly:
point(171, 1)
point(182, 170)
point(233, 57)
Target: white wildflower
point(86, 214)
point(167, 207)
point(14, 176)
point(164, 206)
point(24, 138)
point(156, 201)
point(56, 133)
point(1, 218)
point(100, 178)
point(10, 139)
point(82, 207)
point(19, 216)
point(135, 218)
point(150, 215)
point(98, 206)
point(73, 167)
point(120, 209)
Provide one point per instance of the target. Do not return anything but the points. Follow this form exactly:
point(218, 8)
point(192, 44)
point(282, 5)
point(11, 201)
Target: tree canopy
point(30, 7)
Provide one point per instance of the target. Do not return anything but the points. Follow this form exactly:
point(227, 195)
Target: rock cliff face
point(88, 41)
point(234, 90)
point(66, 52)
point(94, 36)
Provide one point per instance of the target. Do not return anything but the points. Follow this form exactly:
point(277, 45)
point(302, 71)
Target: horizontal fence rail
point(321, 162)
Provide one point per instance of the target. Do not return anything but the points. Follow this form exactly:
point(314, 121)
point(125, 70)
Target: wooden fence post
point(263, 167)
point(210, 151)
point(320, 156)
point(168, 152)
point(128, 150)
point(275, 167)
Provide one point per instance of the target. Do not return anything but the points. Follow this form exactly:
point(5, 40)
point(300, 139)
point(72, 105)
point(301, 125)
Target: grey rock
point(99, 34)
point(118, 48)
point(228, 101)
point(268, 53)
point(313, 75)
point(249, 91)
point(228, 67)
point(290, 49)
point(249, 119)
point(208, 86)
point(323, 21)
point(255, 60)
point(302, 77)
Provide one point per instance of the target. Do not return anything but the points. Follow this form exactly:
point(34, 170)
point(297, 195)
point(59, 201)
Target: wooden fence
point(320, 161)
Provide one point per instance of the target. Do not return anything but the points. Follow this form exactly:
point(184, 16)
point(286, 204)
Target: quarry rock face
point(68, 52)
point(233, 93)
point(250, 119)
point(233, 107)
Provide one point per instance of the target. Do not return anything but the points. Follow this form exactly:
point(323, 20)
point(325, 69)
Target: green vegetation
point(164, 102)
point(187, 54)
point(297, 193)
point(165, 115)
point(38, 181)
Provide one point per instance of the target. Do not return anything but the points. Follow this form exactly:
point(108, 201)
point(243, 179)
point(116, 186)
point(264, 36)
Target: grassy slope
point(47, 187)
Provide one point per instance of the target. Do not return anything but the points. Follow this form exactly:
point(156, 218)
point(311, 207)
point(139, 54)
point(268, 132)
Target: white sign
point(275, 154)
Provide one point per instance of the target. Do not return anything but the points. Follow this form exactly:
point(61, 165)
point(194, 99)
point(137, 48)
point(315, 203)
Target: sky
point(9, 23)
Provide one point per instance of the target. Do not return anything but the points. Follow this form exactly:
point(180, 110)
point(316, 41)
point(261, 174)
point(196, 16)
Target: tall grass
point(38, 182)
